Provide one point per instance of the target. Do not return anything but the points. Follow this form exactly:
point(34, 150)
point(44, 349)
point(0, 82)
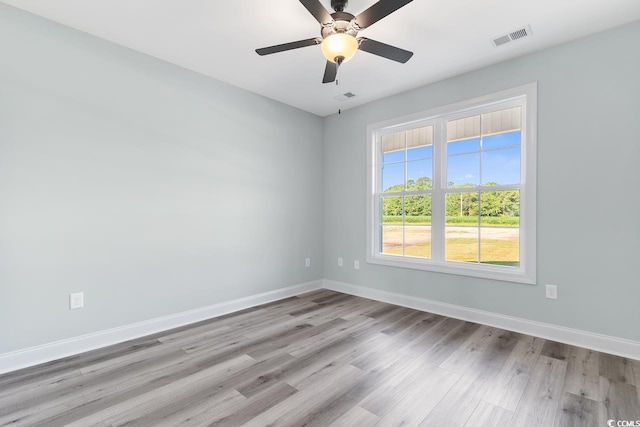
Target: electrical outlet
point(356, 265)
point(340, 262)
point(307, 262)
point(76, 300)
point(551, 291)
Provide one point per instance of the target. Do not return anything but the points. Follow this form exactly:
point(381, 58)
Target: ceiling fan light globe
point(339, 45)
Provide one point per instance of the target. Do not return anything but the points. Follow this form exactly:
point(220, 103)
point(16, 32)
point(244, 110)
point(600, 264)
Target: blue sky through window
point(500, 162)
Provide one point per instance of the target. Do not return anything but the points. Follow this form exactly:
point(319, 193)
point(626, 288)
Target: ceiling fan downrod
point(339, 5)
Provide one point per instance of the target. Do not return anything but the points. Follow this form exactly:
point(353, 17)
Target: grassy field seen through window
point(499, 245)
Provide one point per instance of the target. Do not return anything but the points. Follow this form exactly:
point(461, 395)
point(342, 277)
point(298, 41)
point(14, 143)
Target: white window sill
point(483, 271)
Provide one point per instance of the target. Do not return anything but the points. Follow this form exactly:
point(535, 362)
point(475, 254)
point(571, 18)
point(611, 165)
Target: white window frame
point(526, 96)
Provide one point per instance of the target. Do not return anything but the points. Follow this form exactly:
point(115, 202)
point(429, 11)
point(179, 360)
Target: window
point(453, 189)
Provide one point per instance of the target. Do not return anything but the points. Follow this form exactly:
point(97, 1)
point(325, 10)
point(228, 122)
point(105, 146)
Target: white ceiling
point(218, 38)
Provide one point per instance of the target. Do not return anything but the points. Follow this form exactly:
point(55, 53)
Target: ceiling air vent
point(344, 96)
point(511, 36)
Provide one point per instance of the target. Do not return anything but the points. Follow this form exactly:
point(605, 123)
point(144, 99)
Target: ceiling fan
point(339, 30)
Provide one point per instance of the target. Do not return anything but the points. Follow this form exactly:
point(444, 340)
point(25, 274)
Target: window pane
point(393, 141)
point(420, 152)
point(420, 143)
point(500, 232)
point(501, 208)
point(501, 167)
point(391, 228)
point(502, 121)
point(391, 210)
point(464, 146)
point(393, 157)
point(393, 177)
point(462, 208)
point(417, 210)
point(393, 147)
point(417, 241)
point(463, 169)
point(461, 243)
point(420, 174)
point(391, 240)
point(417, 230)
point(502, 140)
point(465, 128)
point(461, 229)
point(500, 246)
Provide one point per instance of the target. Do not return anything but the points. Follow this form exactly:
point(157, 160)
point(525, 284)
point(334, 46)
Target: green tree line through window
point(499, 208)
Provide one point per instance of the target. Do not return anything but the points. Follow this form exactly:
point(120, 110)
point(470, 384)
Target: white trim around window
point(436, 120)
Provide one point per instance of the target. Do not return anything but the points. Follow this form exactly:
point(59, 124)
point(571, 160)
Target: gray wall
point(156, 190)
point(152, 189)
point(588, 205)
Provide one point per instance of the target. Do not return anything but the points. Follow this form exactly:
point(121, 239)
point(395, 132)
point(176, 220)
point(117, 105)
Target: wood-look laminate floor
point(327, 359)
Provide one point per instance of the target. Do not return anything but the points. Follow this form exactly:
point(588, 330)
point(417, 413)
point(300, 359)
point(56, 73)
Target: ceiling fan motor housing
point(342, 23)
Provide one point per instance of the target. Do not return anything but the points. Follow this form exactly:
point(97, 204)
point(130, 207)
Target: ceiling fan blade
point(330, 72)
point(287, 46)
point(385, 50)
point(378, 11)
point(317, 10)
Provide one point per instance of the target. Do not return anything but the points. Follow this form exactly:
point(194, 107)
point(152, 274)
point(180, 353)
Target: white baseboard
point(602, 343)
point(56, 350)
